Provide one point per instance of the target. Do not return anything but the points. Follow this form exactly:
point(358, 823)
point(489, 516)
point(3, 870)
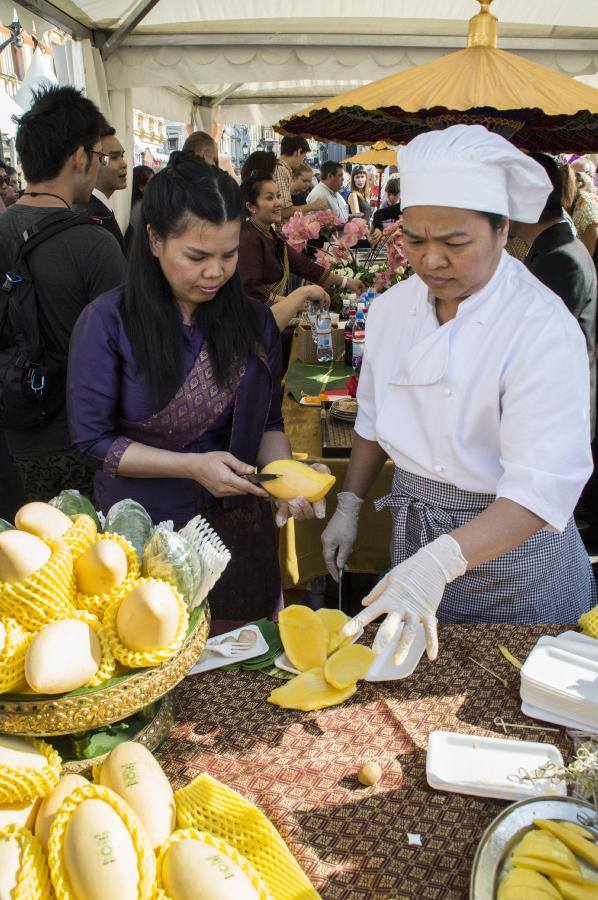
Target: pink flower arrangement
point(299, 230)
point(353, 232)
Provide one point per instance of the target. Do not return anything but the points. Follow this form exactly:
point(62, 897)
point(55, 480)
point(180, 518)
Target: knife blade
point(256, 478)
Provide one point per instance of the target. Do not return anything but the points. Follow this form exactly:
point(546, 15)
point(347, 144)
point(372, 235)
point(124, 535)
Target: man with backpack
point(53, 262)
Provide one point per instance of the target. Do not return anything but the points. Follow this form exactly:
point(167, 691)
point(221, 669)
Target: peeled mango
point(348, 665)
point(99, 854)
point(192, 870)
point(135, 775)
point(309, 691)
point(10, 863)
point(297, 480)
point(148, 617)
point(304, 637)
point(569, 890)
point(21, 554)
point(542, 845)
point(62, 657)
point(334, 620)
point(43, 520)
point(2, 637)
point(573, 836)
point(19, 753)
point(101, 568)
point(52, 803)
point(520, 884)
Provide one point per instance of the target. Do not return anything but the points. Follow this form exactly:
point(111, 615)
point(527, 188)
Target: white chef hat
point(469, 167)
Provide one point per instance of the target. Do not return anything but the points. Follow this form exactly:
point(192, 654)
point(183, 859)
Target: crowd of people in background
point(73, 160)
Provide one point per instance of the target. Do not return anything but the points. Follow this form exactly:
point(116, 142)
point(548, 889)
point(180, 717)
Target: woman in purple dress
point(173, 383)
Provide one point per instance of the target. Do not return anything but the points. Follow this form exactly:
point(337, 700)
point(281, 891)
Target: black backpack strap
point(48, 227)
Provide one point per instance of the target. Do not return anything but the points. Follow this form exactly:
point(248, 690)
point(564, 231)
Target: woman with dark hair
point(259, 161)
point(359, 195)
point(475, 384)
point(142, 175)
point(173, 383)
point(266, 260)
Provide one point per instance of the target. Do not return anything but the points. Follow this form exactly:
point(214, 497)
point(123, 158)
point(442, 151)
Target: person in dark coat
point(560, 261)
point(111, 178)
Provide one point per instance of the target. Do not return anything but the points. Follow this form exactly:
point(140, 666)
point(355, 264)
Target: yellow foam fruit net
point(208, 805)
point(108, 663)
point(588, 622)
point(12, 657)
point(219, 845)
point(45, 596)
point(146, 859)
point(33, 880)
point(99, 603)
point(81, 535)
point(139, 659)
point(25, 785)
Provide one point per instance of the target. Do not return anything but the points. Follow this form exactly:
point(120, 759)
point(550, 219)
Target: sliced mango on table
point(309, 691)
point(542, 845)
point(577, 839)
point(348, 665)
point(334, 620)
point(570, 890)
point(304, 637)
point(520, 884)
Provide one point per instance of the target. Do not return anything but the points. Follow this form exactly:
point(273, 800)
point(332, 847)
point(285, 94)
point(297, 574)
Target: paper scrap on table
point(415, 840)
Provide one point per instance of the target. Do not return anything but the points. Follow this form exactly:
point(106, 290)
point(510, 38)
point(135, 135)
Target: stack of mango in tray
point(74, 607)
point(128, 836)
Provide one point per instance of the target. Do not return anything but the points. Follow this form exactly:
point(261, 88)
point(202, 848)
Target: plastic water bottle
point(324, 336)
point(358, 339)
point(313, 308)
point(349, 303)
point(349, 333)
point(370, 297)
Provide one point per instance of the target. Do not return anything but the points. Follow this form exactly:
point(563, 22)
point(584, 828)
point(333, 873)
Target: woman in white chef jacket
point(475, 383)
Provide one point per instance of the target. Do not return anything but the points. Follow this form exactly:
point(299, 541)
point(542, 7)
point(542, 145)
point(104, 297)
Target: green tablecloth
point(305, 378)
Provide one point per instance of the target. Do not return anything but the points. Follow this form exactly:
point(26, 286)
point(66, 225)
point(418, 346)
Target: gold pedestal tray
point(151, 736)
point(44, 716)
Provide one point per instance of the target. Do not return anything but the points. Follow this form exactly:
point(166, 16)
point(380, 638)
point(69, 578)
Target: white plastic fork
point(228, 650)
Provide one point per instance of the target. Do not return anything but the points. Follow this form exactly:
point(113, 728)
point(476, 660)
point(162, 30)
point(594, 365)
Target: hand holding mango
point(300, 489)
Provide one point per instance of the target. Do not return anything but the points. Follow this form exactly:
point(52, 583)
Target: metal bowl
point(492, 856)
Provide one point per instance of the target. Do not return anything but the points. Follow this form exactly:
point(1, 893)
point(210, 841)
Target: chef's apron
point(547, 579)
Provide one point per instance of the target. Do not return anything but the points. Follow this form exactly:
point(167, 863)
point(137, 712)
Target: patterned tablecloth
point(300, 768)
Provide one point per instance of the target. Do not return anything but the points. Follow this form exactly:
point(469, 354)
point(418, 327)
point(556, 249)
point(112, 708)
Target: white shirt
point(333, 199)
point(494, 401)
point(102, 198)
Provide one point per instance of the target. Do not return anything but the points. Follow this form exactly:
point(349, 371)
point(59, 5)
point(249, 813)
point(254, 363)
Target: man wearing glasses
point(112, 176)
point(60, 149)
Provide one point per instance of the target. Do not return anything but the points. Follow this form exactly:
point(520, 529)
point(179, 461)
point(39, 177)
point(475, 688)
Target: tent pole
point(137, 14)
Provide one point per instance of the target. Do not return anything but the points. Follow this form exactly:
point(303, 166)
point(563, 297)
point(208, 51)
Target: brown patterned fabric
point(300, 768)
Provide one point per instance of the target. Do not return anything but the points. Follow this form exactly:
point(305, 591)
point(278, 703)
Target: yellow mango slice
point(101, 568)
point(542, 845)
point(583, 846)
point(304, 637)
point(547, 867)
point(588, 890)
point(297, 480)
point(308, 691)
point(348, 665)
point(520, 884)
point(334, 620)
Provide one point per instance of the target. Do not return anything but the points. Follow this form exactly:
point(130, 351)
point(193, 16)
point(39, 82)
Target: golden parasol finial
point(483, 27)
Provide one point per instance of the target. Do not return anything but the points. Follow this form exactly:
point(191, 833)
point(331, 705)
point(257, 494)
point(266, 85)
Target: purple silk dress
point(109, 406)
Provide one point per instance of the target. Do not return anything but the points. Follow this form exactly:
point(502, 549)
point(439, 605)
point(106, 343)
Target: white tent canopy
point(256, 60)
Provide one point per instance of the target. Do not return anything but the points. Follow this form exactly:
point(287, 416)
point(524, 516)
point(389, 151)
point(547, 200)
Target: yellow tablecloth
point(300, 548)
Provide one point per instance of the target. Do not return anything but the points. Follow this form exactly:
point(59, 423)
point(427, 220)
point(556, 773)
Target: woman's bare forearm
point(274, 445)
point(141, 461)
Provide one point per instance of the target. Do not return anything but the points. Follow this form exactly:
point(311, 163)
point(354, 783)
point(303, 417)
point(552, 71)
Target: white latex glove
point(409, 596)
point(300, 508)
point(341, 532)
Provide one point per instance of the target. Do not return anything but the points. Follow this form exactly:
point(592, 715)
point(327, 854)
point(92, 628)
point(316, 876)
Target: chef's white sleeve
point(545, 427)
point(365, 424)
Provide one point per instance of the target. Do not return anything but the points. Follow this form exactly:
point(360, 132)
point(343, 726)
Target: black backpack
point(32, 380)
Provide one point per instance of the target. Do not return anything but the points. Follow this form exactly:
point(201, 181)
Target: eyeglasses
point(104, 158)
